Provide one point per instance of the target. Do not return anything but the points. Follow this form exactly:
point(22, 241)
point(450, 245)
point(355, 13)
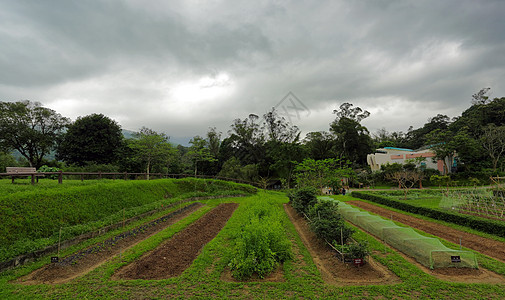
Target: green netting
point(430, 252)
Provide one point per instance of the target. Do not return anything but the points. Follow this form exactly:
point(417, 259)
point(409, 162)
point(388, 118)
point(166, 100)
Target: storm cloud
point(182, 66)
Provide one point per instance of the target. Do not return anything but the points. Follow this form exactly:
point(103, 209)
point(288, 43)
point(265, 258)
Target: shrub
point(358, 250)
point(327, 223)
point(303, 199)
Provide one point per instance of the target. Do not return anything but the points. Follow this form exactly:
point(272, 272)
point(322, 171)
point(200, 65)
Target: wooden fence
point(125, 176)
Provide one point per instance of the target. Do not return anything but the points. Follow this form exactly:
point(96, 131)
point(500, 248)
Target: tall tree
point(278, 130)
point(320, 145)
point(199, 152)
point(151, 148)
point(493, 140)
point(31, 129)
point(352, 139)
point(247, 140)
point(92, 139)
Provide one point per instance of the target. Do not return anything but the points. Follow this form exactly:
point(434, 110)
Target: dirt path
point(87, 260)
point(174, 256)
point(332, 269)
point(483, 245)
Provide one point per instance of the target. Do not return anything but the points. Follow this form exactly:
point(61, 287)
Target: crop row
point(484, 225)
point(32, 220)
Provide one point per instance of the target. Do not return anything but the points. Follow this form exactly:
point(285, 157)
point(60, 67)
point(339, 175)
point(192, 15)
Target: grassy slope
point(202, 279)
point(31, 216)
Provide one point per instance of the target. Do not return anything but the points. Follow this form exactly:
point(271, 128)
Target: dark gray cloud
point(183, 66)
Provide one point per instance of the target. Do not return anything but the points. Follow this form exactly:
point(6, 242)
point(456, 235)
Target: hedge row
point(485, 225)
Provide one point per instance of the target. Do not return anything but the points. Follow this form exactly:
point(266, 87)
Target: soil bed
point(174, 256)
point(86, 260)
point(333, 270)
point(489, 247)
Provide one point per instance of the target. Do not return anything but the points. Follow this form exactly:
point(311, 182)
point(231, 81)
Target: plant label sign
point(55, 259)
point(358, 261)
point(456, 259)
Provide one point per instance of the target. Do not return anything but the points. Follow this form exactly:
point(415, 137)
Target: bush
point(358, 250)
point(327, 223)
point(47, 169)
point(303, 199)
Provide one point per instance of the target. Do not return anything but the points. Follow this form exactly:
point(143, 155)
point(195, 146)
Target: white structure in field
point(391, 155)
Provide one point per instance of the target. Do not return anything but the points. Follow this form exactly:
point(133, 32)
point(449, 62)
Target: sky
point(180, 67)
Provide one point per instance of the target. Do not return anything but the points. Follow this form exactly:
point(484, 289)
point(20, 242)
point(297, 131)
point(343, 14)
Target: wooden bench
point(23, 171)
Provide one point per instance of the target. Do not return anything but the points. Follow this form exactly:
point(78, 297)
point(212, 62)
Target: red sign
point(358, 262)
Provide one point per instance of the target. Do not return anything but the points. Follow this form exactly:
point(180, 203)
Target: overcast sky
point(181, 67)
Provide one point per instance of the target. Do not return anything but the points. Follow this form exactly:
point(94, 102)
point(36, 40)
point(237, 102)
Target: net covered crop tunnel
point(428, 251)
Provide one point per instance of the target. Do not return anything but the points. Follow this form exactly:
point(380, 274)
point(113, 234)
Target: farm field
point(307, 271)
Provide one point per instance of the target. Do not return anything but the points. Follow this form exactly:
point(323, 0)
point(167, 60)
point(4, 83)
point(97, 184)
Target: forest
point(256, 148)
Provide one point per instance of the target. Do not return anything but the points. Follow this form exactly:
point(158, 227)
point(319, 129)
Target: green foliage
point(7, 160)
point(232, 168)
point(31, 129)
point(358, 250)
point(485, 225)
point(93, 139)
point(303, 199)
point(48, 169)
point(149, 149)
point(327, 223)
point(322, 173)
point(262, 243)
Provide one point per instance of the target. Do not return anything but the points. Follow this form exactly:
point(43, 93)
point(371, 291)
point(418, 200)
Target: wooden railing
point(117, 175)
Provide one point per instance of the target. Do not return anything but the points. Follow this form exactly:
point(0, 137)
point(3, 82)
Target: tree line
point(266, 148)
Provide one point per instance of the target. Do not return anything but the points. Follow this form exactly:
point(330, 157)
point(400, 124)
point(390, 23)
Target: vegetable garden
point(257, 244)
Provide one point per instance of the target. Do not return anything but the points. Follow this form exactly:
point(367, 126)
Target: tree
point(352, 139)
point(320, 145)
point(278, 130)
point(7, 160)
point(247, 140)
point(151, 148)
point(443, 145)
point(493, 140)
point(406, 179)
point(199, 152)
point(92, 139)
point(481, 97)
point(31, 129)
point(322, 173)
point(347, 111)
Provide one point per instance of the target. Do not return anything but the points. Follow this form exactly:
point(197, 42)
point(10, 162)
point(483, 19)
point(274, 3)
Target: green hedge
point(485, 225)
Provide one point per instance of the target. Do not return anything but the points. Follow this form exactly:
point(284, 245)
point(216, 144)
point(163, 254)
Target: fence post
point(60, 177)
point(99, 175)
point(125, 176)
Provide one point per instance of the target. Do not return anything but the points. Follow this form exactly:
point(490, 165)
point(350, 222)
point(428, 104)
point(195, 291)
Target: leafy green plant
point(327, 223)
point(48, 169)
point(359, 250)
point(261, 244)
point(303, 199)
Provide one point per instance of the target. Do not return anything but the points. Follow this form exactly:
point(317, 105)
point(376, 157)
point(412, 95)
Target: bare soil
point(464, 275)
point(489, 247)
point(92, 257)
point(333, 270)
point(174, 256)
